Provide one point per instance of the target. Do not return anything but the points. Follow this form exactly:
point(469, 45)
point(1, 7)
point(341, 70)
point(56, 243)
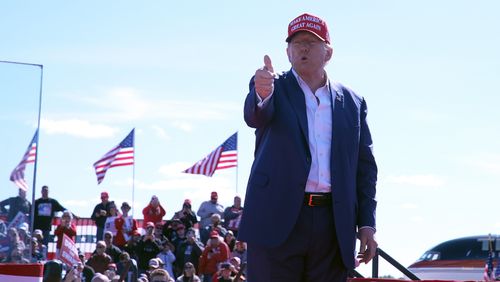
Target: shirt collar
point(302, 83)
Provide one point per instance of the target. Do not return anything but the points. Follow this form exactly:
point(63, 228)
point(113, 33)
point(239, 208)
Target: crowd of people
point(188, 246)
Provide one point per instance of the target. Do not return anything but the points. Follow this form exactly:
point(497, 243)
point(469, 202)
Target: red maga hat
point(309, 23)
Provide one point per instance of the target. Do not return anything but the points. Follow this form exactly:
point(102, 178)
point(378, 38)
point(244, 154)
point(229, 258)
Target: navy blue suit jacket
point(275, 190)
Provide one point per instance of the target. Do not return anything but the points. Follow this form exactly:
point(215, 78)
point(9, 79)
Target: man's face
point(240, 246)
point(108, 238)
point(104, 199)
point(45, 192)
point(158, 230)
point(213, 199)
point(113, 211)
point(22, 193)
point(181, 231)
point(214, 241)
point(125, 210)
point(307, 53)
point(237, 201)
point(66, 219)
point(100, 249)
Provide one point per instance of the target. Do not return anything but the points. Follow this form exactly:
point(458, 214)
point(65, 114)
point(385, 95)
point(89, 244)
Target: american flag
point(121, 155)
point(17, 175)
point(488, 267)
point(224, 156)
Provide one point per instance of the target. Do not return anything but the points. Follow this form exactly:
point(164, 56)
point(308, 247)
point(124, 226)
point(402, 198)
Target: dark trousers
point(99, 236)
point(46, 237)
point(310, 253)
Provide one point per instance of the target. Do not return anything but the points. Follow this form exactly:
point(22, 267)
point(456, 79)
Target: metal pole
point(237, 162)
point(32, 215)
point(133, 178)
point(32, 211)
point(375, 265)
point(397, 265)
point(21, 63)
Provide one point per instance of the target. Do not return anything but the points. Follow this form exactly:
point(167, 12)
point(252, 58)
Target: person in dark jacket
point(100, 214)
point(45, 208)
point(112, 250)
point(16, 204)
point(188, 251)
point(186, 215)
point(232, 216)
point(127, 268)
point(147, 248)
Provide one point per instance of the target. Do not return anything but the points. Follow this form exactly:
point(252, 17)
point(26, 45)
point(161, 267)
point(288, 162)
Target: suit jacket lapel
point(297, 100)
point(338, 115)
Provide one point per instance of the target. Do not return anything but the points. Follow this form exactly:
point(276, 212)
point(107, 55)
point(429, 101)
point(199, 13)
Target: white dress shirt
point(319, 110)
point(319, 123)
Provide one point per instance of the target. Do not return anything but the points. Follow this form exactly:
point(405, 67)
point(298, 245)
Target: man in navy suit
point(312, 183)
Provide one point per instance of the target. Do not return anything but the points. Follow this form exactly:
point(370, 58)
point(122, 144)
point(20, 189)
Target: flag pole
point(133, 178)
point(32, 213)
point(237, 162)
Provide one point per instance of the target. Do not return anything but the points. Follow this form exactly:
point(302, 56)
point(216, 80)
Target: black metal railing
point(390, 260)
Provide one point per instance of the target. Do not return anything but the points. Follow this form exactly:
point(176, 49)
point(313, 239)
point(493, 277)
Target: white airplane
point(458, 259)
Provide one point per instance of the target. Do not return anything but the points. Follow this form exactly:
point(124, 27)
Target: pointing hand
point(264, 78)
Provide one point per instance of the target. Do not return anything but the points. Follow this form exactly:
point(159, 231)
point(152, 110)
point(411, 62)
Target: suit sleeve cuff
point(262, 102)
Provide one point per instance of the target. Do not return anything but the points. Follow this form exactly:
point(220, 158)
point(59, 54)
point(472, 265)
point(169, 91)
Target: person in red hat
point(100, 214)
point(214, 253)
point(208, 208)
point(153, 212)
point(313, 179)
point(186, 215)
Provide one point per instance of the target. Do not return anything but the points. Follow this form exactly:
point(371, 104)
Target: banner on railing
point(21, 272)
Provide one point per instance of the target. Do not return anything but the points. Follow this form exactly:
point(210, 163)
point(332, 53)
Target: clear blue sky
point(178, 72)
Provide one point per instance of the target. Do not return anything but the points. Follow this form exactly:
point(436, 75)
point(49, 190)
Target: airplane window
point(424, 256)
point(429, 256)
